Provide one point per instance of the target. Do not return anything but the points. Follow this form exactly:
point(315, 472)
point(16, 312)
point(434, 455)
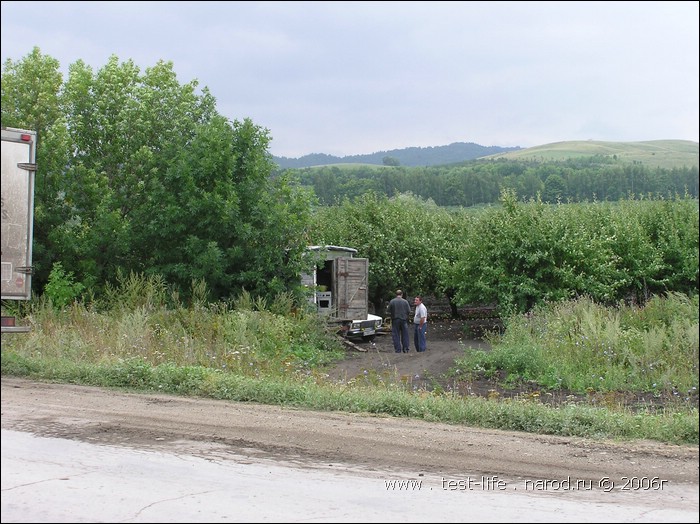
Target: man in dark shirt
point(399, 310)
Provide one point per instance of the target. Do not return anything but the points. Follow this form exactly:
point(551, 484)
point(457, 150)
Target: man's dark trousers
point(399, 335)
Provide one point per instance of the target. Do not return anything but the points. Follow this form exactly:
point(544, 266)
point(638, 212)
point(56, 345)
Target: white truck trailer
point(18, 169)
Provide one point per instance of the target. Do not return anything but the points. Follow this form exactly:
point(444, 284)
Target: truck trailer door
point(18, 167)
point(350, 287)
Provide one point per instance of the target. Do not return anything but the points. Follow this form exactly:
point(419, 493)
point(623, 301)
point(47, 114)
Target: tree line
point(520, 253)
point(481, 181)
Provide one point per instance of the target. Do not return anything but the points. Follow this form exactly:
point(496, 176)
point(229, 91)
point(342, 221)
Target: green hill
point(654, 153)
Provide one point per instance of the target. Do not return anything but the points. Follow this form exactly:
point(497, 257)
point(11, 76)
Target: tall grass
point(134, 323)
point(141, 338)
point(582, 346)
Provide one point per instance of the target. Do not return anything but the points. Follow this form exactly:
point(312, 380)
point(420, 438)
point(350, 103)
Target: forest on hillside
point(410, 156)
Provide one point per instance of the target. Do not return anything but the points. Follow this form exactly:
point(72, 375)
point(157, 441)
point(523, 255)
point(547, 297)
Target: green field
point(654, 153)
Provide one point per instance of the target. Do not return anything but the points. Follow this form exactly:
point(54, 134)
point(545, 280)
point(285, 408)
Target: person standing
point(399, 310)
point(420, 320)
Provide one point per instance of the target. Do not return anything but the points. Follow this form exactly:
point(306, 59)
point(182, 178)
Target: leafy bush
point(62, 289)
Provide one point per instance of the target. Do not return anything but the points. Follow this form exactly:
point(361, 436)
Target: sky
point(353, 78)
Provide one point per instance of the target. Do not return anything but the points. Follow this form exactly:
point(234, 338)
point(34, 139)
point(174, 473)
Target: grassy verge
point(270, 354)
point(522, 415)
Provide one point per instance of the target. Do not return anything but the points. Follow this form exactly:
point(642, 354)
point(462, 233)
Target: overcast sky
point(347, 78)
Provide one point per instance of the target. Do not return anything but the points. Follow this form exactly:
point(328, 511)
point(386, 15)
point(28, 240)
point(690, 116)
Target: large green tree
point(144, 175)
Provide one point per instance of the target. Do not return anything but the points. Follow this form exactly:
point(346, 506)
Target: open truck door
point(341, 290)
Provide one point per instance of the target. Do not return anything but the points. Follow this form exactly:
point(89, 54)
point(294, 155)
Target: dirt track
point(376, 361)
point(307, 438)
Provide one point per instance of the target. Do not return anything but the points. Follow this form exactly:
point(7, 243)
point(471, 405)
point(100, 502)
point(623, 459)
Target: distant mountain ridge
point(410, 156)
point(666, 154)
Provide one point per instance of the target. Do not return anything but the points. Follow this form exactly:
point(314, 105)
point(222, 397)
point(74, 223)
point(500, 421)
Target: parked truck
point(338, 290)
point(18, 169)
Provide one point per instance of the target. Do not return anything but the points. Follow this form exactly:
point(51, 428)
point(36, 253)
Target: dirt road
point(308, 438)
